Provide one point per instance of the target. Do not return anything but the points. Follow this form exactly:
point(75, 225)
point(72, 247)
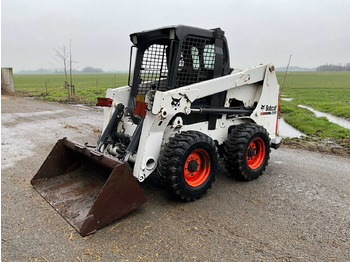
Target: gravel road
point(299, 210)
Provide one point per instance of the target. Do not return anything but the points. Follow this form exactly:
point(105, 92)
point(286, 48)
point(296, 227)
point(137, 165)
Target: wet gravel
point(299, 210)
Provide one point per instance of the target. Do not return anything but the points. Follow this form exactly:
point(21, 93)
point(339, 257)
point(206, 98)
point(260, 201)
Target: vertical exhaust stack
point(87, 188)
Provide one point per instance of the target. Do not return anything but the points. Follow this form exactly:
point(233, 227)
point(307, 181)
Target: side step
point(88, 189)
point(276, 142)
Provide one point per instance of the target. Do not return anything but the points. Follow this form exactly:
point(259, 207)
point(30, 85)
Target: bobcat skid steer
point(184, 108)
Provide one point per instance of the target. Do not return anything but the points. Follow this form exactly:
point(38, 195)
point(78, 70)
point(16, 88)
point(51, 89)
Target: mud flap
point(87, 188)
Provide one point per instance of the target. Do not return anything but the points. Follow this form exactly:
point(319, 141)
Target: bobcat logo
point(268, 109)
point(175, 102)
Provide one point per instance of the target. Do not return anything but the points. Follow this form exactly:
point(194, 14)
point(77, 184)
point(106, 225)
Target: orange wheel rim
point(197, 167)
point(255, 153)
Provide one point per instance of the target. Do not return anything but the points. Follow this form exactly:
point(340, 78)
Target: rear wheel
point(247, 151)
point(188, 162)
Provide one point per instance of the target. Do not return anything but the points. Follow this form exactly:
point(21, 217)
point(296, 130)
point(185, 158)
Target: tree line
point(331, 67)
point(85, 70)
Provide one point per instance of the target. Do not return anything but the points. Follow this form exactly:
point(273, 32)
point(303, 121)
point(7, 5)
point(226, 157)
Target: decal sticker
point(175, 102)
point(268, 109)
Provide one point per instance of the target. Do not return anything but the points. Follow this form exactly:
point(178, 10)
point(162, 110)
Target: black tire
point(194, 153)
point(247, 151)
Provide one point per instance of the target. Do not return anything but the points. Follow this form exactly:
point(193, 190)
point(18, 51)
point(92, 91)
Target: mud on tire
point(247, 151)
point(188, 162)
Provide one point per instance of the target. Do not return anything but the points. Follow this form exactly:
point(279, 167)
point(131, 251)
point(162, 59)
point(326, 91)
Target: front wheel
point(247, 151)
point(189, 162)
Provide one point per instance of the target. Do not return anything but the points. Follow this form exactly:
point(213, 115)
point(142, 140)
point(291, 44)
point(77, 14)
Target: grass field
point(88, 86)
point(324, 91)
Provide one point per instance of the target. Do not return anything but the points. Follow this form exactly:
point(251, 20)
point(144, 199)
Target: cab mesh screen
point(154, 70)
point(196, 62)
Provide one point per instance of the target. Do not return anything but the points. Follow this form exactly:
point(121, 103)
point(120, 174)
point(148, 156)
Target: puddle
point(87, 108)
point(31, 114)
point(286, 99)
point(81, 107)
point(334, 119)
point(286, 130)
point(20, 134)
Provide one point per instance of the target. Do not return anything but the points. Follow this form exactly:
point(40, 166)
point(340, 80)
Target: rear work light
point(104, 101)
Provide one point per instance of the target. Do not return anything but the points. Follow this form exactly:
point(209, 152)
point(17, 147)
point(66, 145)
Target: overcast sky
point(315, 32)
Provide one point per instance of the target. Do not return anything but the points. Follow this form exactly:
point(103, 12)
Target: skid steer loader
point(184, 108)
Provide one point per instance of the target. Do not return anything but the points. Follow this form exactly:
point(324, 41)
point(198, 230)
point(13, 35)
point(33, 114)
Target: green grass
point(324, 91)
point(88, 86)
point(305, 121)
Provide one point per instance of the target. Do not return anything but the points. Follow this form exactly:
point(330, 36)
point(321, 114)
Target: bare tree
point(65, 58)
point(62, 57)
point(70, 68)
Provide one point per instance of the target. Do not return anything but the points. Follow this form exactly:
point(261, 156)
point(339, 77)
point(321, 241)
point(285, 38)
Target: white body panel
point(119, 95)
point(256, 86)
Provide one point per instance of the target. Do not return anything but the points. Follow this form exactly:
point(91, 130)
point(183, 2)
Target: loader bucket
point(87, 188)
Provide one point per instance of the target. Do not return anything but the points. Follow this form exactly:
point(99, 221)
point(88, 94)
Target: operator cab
point(176, 56)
